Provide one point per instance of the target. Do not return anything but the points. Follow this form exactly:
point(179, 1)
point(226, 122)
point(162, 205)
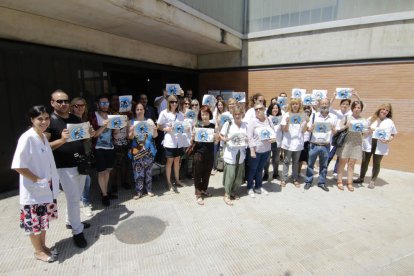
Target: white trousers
point(72, 183)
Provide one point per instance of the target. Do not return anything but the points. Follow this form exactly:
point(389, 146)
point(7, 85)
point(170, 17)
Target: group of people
point(249, 141)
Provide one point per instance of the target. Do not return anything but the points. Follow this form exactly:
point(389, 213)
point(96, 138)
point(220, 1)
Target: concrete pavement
point(288, 232)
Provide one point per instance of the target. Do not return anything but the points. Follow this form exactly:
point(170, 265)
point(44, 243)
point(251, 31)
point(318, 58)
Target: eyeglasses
point(194, 105)
point(104, 103)
point(173, 102)
point(62, 101)
point(78, 105)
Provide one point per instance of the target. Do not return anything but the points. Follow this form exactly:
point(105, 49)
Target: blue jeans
point(86, 190)
point(255, 173)
point(323, 153)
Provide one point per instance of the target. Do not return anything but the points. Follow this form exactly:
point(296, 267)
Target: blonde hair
point(292, 101)
point(384, 105)
point(169, 100)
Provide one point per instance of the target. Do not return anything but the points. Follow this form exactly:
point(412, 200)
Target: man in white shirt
point(322, 125)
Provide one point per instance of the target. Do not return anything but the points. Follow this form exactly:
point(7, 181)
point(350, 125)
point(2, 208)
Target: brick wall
point(375, 83)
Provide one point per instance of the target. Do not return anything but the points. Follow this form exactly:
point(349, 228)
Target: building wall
point(375, 83)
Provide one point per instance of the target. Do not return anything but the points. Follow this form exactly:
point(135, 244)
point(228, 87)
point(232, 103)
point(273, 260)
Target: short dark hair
point(102, 96)
point(205, 108)
point(346, 100)
point(35, 111)
point(354, 103)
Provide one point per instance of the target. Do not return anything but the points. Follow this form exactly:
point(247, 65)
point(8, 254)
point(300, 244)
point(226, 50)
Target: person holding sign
point(104, 147)
point(142, 151)
point(293, 126)
point(234, 154)
point(261, 135)
point(39, 183)
point(174, 141)
point(203, 155)
point(351, 150)
point(322, 126)
point(381, 132)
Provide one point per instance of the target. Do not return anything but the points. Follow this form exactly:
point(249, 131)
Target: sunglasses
point(173, 102)
point(62, 101)
point(78, 105)
point(104, 103)
point(194, 105)
point(257, 109)
point(187, 103)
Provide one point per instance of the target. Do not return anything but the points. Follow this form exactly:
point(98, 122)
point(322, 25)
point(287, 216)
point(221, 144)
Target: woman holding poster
point(142, 151)
point(39, 183)
point(381, 132)
point(293, 126)
point(171, 121)
point(203, 152)
point(351, 150)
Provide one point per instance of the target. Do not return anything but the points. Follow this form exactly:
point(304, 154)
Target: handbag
point(84, 162)
point(190, 150)
point(339, 138)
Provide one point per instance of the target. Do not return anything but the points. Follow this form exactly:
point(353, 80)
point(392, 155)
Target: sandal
point(350, 187)
point(49, 259)
point(340, 186)
point(228, 201)
point(200, 201)
point(296, 183)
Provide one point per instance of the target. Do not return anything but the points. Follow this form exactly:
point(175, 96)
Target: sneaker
point(257, 191)
point(87, 210)
point(213, 172)
point(371, 185)
point(263, 190)
point(79, 240)
point(137, 196)
point(251, 193)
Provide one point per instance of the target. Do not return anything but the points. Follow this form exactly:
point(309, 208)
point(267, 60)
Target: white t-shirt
point(293, 139)
point(250, 115)
point(167, 119)
point(382, 148)
point(338, 113)
point(32, 154)
point(229, 155)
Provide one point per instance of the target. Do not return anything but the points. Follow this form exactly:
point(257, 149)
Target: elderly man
point(72, 182)
point(322, 126)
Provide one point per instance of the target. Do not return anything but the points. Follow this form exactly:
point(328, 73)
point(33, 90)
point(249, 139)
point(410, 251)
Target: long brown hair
point(376, 113)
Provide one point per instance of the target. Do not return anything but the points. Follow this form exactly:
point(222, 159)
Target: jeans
point(255, 172)
point(322, 152)
point(86, 190)
point(72, 183)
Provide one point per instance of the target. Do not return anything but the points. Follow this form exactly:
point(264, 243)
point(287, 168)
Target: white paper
point(213, 92)
point(381, 133)
point(125, 103)
point(173, 88)
point(309, 99)
point(225, 118)
point(266, 133)
point(190, 114)
point(358, 126)
point(239, 96)
point(178, 128)
point(143, 127)
point(343, 93)
point(296, 118)
point(282, 101)
point(78, 131)
point(226, 94)
point(209, 100)
point(276, 120)
point(319, 94)
point(322, 127)
point(205, 135)
point(297, 93)
point(237, 140)
point(117, 121)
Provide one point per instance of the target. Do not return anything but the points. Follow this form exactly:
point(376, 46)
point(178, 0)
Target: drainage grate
point(140, 230)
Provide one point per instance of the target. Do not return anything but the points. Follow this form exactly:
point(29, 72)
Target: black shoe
point(105, 201)
point(307, 186)
point(265, 177)
point(79, 240)
point(323, 187)
point(358, 181)
point(85, 225)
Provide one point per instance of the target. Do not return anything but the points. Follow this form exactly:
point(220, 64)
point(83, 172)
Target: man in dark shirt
point(70, 179)
point(149, 110)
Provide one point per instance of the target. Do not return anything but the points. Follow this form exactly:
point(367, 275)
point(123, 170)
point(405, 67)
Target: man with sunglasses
point(72, 182)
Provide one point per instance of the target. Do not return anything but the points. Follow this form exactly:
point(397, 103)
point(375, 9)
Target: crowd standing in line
point(247, 143)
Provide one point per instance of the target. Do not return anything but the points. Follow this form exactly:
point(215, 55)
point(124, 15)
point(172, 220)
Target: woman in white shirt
point(381, 123)
point(293, 139)
point(234, 155)
point(174, 140)
point(39, 183)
